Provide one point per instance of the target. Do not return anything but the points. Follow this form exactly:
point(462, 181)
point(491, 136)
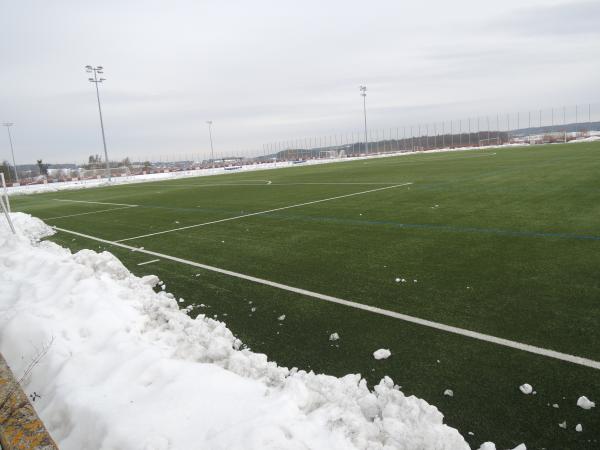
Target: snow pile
point(125, 368)
point(588, 139)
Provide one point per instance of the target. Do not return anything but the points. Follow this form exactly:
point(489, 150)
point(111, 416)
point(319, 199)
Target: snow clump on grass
point(526, 388)
point(382, 353)
point(585, 403)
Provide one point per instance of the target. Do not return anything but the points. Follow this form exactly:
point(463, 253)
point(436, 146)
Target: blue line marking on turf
point(436, 227)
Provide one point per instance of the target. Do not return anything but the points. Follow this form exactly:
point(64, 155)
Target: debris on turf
point(449, 393)
point(281, 317)
point(334, 337)
point(563, 424)
point(578, 428)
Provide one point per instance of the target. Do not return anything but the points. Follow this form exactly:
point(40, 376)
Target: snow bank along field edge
point(120, 354)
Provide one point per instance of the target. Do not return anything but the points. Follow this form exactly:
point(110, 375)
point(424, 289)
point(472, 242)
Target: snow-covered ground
point(125, 368)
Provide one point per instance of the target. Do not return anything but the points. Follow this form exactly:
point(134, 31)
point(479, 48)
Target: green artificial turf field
point(504, 242)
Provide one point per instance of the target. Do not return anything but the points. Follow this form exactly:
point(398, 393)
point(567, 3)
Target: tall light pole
point(212, 152)
point(99, 70)
point(12, 151)
point(363, 92)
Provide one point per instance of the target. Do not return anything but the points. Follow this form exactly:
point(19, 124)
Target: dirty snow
point(126, 368)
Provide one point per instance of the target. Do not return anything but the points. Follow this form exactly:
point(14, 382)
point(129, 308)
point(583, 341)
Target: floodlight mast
point(212, 152)
point(99, 70)
point(12, 151)
point(363, 93)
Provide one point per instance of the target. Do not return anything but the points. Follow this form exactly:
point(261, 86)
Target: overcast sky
point(265, 71)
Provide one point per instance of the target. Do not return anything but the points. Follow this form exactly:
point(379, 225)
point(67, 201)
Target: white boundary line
point(94, 203)
point(213, 184)
point(91, 212)
point(261, 212)
point(148, 262)
point(384, 312)
point(270, 183)
point(341, 183)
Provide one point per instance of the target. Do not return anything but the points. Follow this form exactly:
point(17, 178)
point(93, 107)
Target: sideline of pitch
point(384, 312)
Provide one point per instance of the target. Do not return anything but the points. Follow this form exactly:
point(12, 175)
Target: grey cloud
point(269, 70)
point(569, 18)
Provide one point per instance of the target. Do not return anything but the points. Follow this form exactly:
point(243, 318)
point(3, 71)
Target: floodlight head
point(101, 80)
point(88, 67)
point(8, 124)
point(100, 68)
point(90, 79)
point(209, 122)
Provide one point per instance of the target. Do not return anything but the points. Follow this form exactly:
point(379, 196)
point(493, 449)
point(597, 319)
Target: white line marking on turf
point(384, 312)
point(148, 262)
point(445, 158)
point(270, 183)
point(341, 183)
point(91, 212)
point(260, 212)
point(94, 203)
